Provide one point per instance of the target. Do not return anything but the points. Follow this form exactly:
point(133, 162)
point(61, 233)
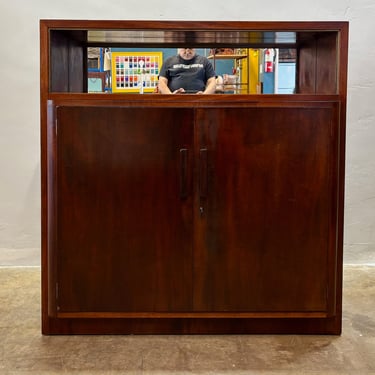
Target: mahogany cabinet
point(192, 214)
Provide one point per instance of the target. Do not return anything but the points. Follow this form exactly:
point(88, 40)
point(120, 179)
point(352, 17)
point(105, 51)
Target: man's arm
point(163, 86)
point(210, 86)
point(164, 89)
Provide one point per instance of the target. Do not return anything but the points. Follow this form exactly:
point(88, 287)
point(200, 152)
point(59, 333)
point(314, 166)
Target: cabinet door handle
point(184, 153)
point(203, 173)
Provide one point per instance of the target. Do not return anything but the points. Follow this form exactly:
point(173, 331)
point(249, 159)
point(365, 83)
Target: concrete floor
point(23, 350)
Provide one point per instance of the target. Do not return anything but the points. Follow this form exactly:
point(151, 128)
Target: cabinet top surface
point(195, 25)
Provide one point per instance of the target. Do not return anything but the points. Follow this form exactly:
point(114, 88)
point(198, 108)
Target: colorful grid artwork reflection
point(135, 72)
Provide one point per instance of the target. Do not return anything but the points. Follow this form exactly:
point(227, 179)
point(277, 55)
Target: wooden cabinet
point(190, 213)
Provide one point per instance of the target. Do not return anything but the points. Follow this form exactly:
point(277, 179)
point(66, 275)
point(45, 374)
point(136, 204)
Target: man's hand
point(179, 91)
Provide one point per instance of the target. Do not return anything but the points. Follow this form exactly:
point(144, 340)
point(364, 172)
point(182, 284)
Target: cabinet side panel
point(306, 68)
point(77, 67)
point(317, 65)
point(327, 64)
point(48, 199)
point(68, 65)
point(59, 62)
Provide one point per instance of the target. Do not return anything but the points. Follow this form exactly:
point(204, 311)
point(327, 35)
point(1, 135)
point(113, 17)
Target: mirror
point(238, 70)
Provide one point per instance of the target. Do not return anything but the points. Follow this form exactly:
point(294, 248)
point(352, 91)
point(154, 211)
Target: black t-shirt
point(192, 74)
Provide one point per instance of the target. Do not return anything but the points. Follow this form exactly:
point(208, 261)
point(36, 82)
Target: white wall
point(19, 98)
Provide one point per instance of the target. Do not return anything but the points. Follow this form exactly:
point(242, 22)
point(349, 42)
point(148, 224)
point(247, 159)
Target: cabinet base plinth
point(172, 326)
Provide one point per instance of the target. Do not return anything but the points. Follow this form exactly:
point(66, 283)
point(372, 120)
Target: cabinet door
point(265, 241)
point(123, 209)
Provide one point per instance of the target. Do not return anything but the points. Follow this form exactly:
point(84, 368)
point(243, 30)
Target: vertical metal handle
point(203, 173)
point(184, 153)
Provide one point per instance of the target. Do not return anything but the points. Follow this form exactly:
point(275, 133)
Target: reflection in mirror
point(238, 70)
